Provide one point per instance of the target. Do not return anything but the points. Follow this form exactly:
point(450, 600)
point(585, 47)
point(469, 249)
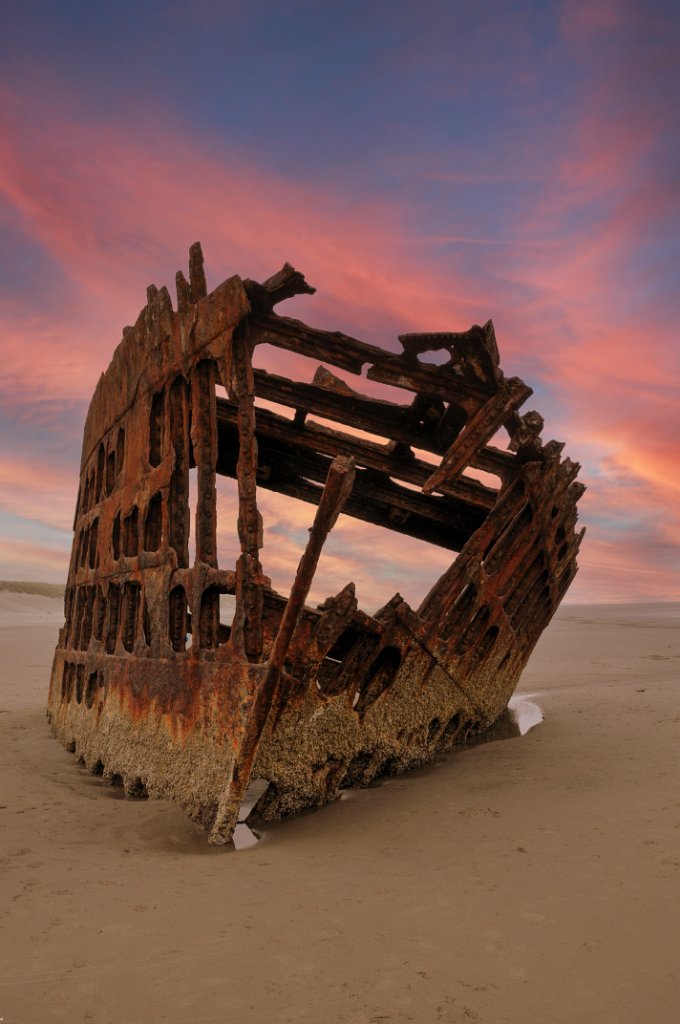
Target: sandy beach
point(534, 879)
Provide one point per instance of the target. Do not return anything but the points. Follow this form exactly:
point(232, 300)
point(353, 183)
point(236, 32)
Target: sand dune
point(26, 587)
point(526, 880)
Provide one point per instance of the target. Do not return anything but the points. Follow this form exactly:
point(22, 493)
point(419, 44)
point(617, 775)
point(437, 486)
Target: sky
point(426, 165)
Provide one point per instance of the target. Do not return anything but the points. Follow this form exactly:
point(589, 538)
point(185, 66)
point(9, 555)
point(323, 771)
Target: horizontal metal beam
point(394, 461)
point(375, 498)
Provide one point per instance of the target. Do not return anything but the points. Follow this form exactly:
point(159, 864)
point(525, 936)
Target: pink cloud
point(378, 561)
point(616, 570)
point(46, 358)
point(600, 321)
point(111, 206)
point(38, 490)
point(581, 19)
point(141, 214)
point(28, 561)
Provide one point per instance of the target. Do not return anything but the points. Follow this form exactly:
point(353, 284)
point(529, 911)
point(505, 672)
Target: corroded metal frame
point(311, 700)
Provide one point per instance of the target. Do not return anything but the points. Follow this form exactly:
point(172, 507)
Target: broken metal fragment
point(309, 700)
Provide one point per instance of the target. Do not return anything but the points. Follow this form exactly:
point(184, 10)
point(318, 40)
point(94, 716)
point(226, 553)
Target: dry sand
point(529, 880)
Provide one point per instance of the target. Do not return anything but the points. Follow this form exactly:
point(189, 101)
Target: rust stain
point(149, 686)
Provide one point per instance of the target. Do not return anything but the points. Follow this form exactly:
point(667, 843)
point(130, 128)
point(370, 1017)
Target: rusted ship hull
point(311, 700)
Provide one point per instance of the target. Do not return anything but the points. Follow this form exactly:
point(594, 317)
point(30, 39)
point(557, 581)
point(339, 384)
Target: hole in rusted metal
point(68, 614)
point(356, 769)
point(115, 537)
point(460, 611)
point(80, 610)
point(486, 645)
point(131, 533)
point(131, 593)
point(508, 540)
point(88, 611)
point(178, 503)
point(434, 730)
point(94, 532)
point(522, 586)
point(153, 523)
point(83, 547)
point(137, 790)
point(110, 472)
point(177, 608)
point(193, 512)
point(209, 617)
point(67, 681)
point(452, 728)
point(120, 451)
point(156, 425)
point(378, 678)
point(474, 629)
point(90, 689)
point(146, 623)
point(101, 458)
point(113, 609)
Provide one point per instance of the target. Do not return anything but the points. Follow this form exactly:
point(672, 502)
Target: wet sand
point(529, 880)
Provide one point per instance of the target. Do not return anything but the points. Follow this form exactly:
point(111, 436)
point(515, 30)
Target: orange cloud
point(28, 561)
point(115, 208)
point(109, 205)
point(601, 317)
point(38, 491)
point(581, 19)
point(378, 561)
point(618, 570)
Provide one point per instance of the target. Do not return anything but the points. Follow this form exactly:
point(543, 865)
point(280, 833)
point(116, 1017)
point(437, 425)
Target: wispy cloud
point(39, 491)
point(27, 561)
point(578, 278)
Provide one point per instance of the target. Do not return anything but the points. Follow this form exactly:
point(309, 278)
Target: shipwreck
point(154, 692)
